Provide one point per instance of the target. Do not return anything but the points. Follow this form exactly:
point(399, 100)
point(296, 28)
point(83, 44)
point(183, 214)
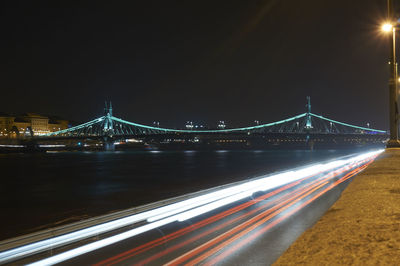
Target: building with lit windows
point(20, 127)
point(6, 123)
point(38, 123)
point(12, 126)
point(56, 124)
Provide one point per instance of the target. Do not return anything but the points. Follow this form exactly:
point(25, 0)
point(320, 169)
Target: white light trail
point(51, 145)
point(101, 243)
point(179, 211)
point(12, 146)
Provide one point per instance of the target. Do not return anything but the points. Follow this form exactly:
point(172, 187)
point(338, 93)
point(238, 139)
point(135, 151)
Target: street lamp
point(390, 28)
point(387, 27)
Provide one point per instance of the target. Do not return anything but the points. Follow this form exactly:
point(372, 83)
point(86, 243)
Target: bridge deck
point(362, 227)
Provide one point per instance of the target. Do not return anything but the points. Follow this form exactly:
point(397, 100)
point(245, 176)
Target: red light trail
point(283, 202)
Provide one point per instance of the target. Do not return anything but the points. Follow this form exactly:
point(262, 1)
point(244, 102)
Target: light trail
point(156, 214)
point(171, 213)
point(278, 220)
point(51, 145)
point(151, 215)
point(201, 248)
point(11, 146)
point(195, 226)
point(164, 239)
point(108, 241)
point(264, 229)
point(269, 225)
point(261, 218)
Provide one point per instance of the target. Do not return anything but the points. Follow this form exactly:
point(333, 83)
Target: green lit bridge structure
point(109, 125)
point(307, 128)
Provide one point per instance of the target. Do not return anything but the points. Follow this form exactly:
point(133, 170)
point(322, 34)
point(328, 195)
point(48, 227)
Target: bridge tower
point(308, 114)
point(108, 123)
point(108, 129)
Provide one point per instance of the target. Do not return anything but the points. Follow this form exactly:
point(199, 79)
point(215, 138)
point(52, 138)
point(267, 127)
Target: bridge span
point(306, 130)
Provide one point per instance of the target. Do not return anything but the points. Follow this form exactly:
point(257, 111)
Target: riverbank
point(362, 227)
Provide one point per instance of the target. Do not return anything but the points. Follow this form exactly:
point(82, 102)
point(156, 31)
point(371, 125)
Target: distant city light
point(221, 125)
point(189, 125)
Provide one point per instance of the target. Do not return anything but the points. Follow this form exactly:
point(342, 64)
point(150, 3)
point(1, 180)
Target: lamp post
point(390, 27)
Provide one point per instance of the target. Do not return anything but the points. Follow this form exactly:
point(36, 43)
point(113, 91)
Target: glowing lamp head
point(387, 27)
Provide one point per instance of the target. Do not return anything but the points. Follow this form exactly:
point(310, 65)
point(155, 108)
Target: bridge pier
point(108, 144)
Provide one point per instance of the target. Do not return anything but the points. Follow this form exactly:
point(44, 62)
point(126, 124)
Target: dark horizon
point(201, 61)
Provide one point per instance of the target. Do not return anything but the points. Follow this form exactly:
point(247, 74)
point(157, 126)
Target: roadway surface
point(252, 229)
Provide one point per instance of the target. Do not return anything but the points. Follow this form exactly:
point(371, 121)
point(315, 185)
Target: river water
point(45, 190)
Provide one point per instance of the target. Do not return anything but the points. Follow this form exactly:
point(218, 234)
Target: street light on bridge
point(390, 28)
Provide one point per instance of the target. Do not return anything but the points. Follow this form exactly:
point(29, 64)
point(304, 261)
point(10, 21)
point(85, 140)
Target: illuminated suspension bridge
point(306, 123)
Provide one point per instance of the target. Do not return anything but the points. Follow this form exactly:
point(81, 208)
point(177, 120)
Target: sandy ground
point(362, 227)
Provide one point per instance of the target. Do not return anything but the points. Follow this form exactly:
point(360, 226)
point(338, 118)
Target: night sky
point(173, 61)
